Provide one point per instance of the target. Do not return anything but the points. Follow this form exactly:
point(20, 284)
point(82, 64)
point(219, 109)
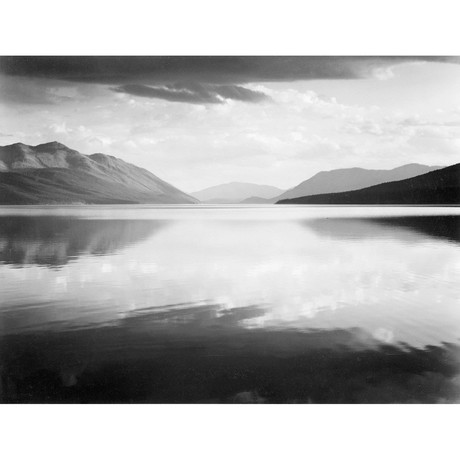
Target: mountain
point(52, 173)
point(343, 180)
point(436, 187)
point(235, 192)
point(258, 200)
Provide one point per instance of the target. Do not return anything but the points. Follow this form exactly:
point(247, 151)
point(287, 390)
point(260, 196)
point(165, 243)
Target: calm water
point(229, 304)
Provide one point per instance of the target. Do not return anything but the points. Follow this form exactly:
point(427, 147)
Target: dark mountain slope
point(436, 187)
point(53, 173)
point(344, 180)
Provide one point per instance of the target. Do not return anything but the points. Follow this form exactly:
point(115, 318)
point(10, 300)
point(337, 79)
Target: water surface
point(188, 304)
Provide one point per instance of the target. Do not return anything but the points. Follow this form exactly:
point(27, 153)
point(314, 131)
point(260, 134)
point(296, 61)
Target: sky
point(202, 121)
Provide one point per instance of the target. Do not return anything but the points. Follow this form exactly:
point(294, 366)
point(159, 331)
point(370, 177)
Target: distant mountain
point(343, 180)
point(52, 173)
point(235, 192)
point(258, 200)
point(436, 187)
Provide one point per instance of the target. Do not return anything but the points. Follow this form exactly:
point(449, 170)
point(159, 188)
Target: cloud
point(197, 79)
point(194, 93)
point(405, 126)
point(29, 90)
point(203, 69)
point(38, 91)
point(417, 121)
point(60, 128)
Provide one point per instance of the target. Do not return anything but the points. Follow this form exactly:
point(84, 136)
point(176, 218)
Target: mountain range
point(236, 192)
point(436, 187)
point(52, 173)
point(343, 180)
point(337, 180)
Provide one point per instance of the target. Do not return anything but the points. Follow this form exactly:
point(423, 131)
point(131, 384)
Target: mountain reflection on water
point(54, 241)
point(406, 228)
point(307, 308)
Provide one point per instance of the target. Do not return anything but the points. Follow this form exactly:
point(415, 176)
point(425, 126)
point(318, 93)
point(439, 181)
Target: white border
point(229, 432)
point(296, 27)
point(347, 27)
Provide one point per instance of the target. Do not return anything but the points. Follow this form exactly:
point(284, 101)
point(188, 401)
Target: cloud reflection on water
point(325, 273)
point(201, 355)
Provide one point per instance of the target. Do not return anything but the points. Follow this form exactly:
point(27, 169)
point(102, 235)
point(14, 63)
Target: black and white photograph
point(215, 229)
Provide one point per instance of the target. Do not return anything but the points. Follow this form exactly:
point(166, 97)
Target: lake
point(229, 304)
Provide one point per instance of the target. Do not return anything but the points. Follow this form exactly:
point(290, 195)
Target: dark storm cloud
point(193, 93)
point(201, 69)
point(172, 78)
